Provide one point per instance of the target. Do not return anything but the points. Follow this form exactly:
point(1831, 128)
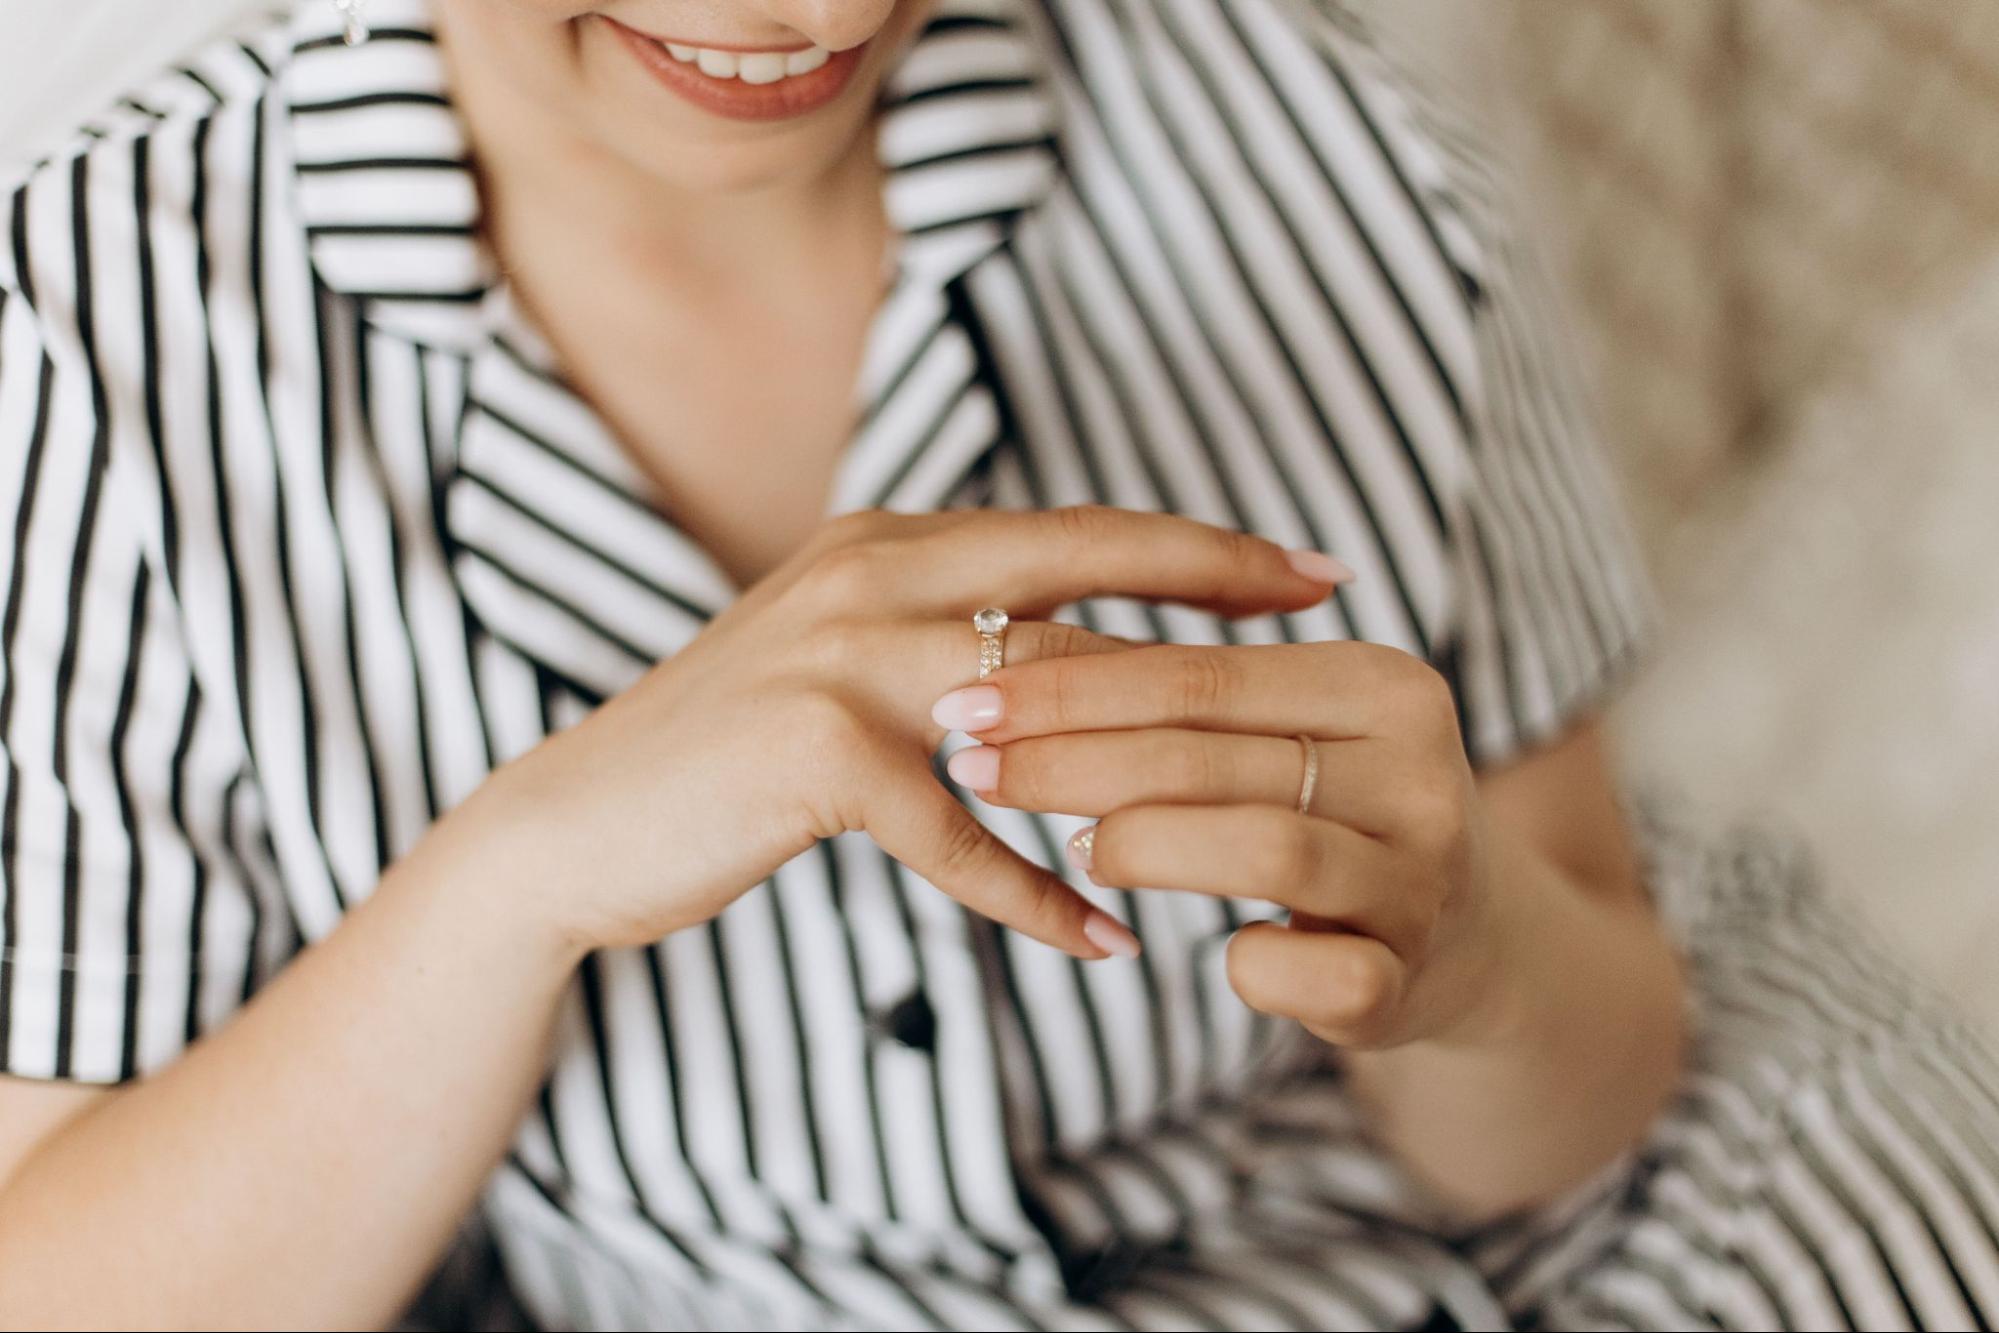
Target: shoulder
point(1275, 134)
point(142, 165)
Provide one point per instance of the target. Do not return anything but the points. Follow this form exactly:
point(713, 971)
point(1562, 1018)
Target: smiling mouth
point(745, 84)
point(752, 67)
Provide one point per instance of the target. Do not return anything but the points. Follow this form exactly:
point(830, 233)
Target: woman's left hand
point(1190, 759)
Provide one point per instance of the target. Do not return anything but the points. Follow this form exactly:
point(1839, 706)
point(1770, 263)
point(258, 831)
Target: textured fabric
point(309, 535)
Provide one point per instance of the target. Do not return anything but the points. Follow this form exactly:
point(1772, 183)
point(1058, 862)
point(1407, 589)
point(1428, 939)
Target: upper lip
point(739, 49)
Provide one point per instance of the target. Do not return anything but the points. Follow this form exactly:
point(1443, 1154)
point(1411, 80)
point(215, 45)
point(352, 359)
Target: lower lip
point(798, 95)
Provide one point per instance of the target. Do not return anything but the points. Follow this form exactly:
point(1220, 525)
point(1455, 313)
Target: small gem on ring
point(992, 620)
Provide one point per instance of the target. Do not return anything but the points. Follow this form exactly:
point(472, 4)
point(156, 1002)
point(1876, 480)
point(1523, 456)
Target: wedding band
point(1310, 782)
point(991, 625)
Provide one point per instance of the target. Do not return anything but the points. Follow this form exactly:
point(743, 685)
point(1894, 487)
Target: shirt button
point(909, 1020)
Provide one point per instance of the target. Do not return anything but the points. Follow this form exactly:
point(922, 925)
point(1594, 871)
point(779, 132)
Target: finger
point(1261, 852)
point(907, 666)
point(1334, 691)
point(1347, 989)
point(921, 825)
point(1044, 559)
point(1360, 783)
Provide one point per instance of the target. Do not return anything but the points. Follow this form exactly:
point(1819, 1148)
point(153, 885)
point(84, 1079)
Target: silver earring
point(355, 30)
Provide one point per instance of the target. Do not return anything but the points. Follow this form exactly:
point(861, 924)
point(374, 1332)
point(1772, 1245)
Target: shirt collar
point(390, 204)
point(558, 544)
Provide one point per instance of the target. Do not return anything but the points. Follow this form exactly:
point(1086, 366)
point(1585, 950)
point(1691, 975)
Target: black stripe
point(362, 101)
point(286, 556)
point(248, 692)
point(135, 875)
point(421, 36)
point(877, 1127)
point(454, 166)
point(10, 624)
point(400, 559)
point(86, 535)
point(330, 386)
point(590, 982)
point(177, 803)
point(640, 658)
point(569, 537)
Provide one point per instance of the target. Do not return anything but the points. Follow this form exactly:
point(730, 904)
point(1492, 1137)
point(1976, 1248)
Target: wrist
point(496, 860)
point(1503, 946)
point(1536, 934)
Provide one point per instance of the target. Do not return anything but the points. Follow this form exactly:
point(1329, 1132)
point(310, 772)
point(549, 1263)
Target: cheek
point(535, 11)
point(514, 23)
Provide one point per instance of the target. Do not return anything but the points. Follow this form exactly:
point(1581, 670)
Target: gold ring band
point(991, 624)
point(1309, 784)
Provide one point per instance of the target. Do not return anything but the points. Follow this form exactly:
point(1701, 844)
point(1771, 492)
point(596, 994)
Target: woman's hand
point(803, 712)
point(1190, 758)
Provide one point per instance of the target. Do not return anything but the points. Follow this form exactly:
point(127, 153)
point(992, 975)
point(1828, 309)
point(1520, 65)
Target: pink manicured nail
point(973, 708)
point(1320, 567)
point(1110, 934)
point(975, 767)
point(1082, 847)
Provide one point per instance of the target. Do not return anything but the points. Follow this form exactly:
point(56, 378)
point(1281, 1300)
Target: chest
point(734, 405)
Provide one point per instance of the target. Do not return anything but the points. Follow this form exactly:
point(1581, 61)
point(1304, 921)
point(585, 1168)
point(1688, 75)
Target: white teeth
point(804, 62)
point(757, 67)
point(762, 67)
point(718, 64)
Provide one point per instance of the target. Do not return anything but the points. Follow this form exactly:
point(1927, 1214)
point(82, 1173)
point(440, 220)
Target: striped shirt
point(307, 534)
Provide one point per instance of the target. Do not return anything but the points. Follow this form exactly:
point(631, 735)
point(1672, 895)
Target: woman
point(473, 673)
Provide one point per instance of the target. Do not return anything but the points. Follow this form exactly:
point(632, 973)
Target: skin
point(1479, 948)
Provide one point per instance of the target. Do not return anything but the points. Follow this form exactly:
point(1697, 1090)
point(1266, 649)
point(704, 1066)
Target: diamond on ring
point(991, 624)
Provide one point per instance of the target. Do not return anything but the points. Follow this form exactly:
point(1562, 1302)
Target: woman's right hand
point(803, 712)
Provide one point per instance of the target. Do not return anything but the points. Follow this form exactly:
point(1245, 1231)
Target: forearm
point(1567, 1063)
point(307, 1164)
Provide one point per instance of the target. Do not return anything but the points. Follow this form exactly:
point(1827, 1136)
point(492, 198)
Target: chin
point(726, 160)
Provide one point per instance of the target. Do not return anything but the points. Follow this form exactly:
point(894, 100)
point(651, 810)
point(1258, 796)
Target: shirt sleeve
point(1551, 604)
point(128, 926)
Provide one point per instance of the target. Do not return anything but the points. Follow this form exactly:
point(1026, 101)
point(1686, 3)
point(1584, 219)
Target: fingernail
point(1083, 847)
point(1320, 567)
point(1110, 934)
point(975, 767)
point(973, 708)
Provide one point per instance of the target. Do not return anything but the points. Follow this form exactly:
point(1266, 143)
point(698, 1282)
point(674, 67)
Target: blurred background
point(1776, 225)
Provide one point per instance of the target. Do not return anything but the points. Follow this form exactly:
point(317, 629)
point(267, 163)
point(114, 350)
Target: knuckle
point(1433, 814)
point(845, 575)
point(1023, 775)
point(1193, 767)
point(1359, 1003)
point(1061, 693)
point(1237, 548)
point(1083, 524)
point(1203, 681)
point(963, 849)
point(841, 650)
point(824, 715)
point(1364, 1006)
point(860, 525)
point(1054, 638)
point(1425, 697)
